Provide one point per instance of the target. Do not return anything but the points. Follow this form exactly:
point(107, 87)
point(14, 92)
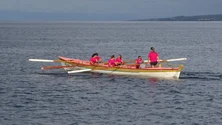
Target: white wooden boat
point(76, 65)
point(72, 65)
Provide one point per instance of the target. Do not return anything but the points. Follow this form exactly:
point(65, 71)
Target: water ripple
point(201, 75)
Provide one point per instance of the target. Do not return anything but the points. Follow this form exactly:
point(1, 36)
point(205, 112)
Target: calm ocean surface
point(29, 96)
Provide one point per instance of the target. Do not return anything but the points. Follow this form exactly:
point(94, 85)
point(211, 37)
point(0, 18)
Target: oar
point(55, 67)
point(129, 60)
point(44, 60)
point(178, 59)
point(78, 71)
point(170, 60)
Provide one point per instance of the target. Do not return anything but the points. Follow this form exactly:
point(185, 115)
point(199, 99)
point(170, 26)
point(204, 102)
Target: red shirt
point(111, 62)
point(93, 60)
point(139, 61)
point(119, 60)
point(97, 58)
point(153, 56)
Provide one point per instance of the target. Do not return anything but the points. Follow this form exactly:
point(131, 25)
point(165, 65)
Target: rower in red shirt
point(138, 61)
point(112, 61)
point(95, 59)
point(98, 58)
point(119, 60)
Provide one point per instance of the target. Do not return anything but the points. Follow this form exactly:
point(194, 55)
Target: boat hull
point(164, 72)
point(142, 74)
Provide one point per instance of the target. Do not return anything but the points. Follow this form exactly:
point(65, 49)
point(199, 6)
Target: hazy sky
point(114, 9)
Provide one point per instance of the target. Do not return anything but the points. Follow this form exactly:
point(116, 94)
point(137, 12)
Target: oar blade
point(40, 60)
point(79, 71)
point(179, 59)
point(44, 60)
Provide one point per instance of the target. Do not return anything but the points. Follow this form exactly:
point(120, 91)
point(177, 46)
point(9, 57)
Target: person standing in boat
point(153, 57)
point(112, 61)
point(119, 60)
point(138, 61)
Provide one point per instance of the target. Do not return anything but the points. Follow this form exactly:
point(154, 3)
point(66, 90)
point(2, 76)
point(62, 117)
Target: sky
point(100, 10)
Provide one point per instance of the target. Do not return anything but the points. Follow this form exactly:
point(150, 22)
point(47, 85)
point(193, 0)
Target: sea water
point(29, 96)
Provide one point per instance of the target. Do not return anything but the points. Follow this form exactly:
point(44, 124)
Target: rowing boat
point(144, 71)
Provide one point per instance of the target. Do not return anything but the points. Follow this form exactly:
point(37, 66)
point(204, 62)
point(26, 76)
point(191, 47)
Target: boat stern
point(177, 74)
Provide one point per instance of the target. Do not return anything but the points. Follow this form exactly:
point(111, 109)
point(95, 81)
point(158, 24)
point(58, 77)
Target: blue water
point(31, 96)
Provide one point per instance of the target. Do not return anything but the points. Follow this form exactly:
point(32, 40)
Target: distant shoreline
point(13, 16)
point(214, 17)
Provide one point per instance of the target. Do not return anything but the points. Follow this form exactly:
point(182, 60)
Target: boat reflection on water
point(153, 80)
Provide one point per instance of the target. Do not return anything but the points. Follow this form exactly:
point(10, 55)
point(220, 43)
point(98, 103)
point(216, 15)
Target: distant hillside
point(215, 17)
